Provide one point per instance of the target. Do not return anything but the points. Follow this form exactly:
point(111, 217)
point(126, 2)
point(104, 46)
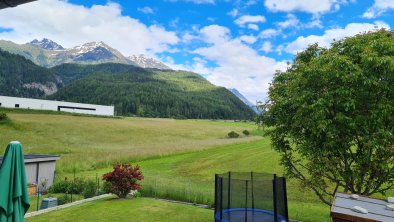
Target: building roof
point(12, 3)
point(35, 158)
point(377, 211)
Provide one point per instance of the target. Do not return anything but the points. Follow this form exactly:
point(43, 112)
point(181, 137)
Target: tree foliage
point(132, 90)
point(333, 116)
point(149, 92)
point(123, 179)
point(16, 72)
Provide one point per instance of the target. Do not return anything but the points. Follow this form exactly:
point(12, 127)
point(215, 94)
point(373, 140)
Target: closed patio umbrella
point(14, 199)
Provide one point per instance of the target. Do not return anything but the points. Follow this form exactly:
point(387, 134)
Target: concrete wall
point(26, 103)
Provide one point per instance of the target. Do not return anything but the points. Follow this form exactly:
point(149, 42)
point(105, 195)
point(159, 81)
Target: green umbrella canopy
point(14, 199)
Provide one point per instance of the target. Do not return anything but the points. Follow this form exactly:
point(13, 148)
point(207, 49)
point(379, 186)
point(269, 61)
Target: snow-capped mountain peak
point(147, 62)
point(88, 47)
point(46, 44)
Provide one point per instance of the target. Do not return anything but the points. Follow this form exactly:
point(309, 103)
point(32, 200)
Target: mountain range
point(132, 89)
point(47, 53)
point(243, 99)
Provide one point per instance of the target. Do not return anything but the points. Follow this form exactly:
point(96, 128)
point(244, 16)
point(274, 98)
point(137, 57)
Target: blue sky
point(233, 43)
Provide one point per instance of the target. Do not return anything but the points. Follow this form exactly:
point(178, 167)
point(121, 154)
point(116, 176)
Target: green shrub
point(89, 189)
point(137, 194)
point(69, 186)
point(63, 199)
point(106, 188)
point(233, 134)
point(77, 186)
point(3, 116)
point(61, 186)
point(246, 132)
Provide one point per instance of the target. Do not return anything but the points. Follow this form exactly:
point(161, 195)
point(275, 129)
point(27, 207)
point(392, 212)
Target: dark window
point(16, 105)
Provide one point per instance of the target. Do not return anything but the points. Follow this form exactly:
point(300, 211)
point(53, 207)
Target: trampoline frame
point(219, 212)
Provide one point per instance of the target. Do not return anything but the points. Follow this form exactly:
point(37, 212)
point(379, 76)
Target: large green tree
point(332, 116)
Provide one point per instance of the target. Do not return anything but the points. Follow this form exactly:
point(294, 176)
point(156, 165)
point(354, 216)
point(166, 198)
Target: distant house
point(39, 168)
point(40, 104)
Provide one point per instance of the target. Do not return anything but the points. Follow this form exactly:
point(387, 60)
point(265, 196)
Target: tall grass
point(89, 143)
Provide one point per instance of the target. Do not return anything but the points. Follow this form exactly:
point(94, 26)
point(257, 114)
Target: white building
point(26, 103)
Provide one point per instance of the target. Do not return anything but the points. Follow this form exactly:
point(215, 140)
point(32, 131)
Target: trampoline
point(250, 197)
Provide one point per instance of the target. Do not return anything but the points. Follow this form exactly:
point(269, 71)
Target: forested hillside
point(148, 92)
point(21, 77)
point(133, 90)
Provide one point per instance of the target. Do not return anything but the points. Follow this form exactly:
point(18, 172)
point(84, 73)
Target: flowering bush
point(123, 179)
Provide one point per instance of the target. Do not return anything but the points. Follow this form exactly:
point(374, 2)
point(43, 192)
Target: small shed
point(39, 168)
point(342, 209)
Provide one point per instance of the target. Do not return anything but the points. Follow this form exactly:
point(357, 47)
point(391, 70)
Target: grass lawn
point(33, 200)
point(190, 177)
point(178, 157)
point(138, 210)
point(87, 143)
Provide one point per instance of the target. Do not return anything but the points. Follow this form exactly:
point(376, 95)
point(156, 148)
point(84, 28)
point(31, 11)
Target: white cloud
point(291, 21)
point(246, 19)
point(237, 64)
point(195, 1)
point(269, 33)
point(253, 27)
point(214, 34)
point(314, 23)
point(233, 13)
point(249, 39)
point(309, 6)
point(378, 8)
point(251, 2)
point(327, 38)
point(146, 10)
point(266, 47)
point(72, 25)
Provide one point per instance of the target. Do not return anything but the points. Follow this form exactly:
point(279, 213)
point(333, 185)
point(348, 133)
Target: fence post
point(246, 202)
point(38, 196)
point(285, 198)
point(229, 191)
point(221, 199)
point(275, 207)
point(216, 193)
point(251, 177)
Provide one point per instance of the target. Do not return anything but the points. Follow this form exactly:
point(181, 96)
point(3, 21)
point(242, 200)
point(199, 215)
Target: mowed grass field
point(87, 143)
point(138, 210)
point(177, 157)
point(190, 176)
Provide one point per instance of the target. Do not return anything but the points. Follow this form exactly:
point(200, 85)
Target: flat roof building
point(39, 168)
point(40, 104)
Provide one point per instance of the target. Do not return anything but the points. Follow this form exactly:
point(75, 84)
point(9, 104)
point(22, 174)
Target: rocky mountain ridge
point(48, 53)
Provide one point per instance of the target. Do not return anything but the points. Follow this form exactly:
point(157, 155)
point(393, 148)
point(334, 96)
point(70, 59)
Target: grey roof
point(343, 204)
point(34, 158)
point(12, 3)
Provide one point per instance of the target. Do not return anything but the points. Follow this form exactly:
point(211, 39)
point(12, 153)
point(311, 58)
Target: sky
point(232, 43)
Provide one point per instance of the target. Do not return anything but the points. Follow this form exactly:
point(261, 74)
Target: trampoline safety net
point(250, 197)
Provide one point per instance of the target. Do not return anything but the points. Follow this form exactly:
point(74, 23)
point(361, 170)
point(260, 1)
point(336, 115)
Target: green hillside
point(133, 90)
point(149, 92)
point(21, 77)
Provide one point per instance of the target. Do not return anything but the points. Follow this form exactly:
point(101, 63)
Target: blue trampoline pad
point(252, 215)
